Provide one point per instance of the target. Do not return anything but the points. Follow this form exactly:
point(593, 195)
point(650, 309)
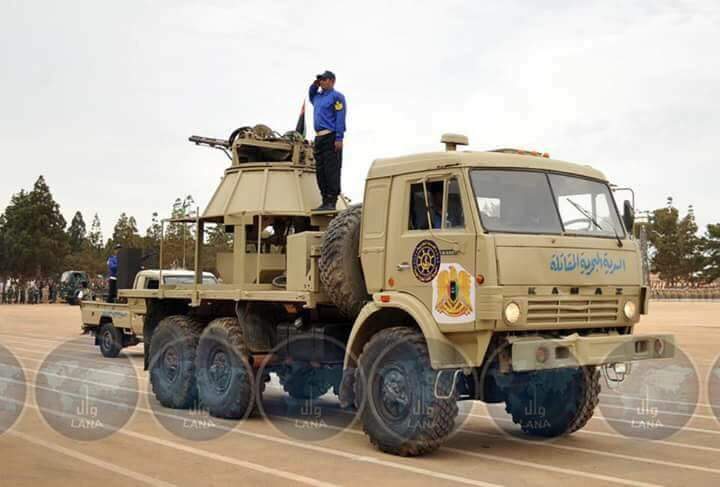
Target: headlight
point(629, 310)
point(512, 313)
point(80, 295)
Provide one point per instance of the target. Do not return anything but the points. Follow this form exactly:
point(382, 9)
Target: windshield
point(188, 279)
point(523, 202)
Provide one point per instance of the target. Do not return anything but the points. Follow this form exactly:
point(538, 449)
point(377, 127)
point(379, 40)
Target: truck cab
point(502, 242)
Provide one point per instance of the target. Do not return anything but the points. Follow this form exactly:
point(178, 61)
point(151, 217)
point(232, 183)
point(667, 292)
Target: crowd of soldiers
point(33, 292)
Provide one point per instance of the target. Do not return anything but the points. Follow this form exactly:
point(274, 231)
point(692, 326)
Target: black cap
point(326, 75)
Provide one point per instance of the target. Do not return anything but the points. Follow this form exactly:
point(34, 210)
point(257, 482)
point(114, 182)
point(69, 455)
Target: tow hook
point(452, 386)
point(616, 373)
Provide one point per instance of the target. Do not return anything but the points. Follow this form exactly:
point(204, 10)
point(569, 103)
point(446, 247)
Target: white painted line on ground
point(621, 456)
point(568, 471)
point(188, 449)
point(324, 450)
point(552, 445)
point(136, 476)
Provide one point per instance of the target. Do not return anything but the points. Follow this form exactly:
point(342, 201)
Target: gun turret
point(261, 144)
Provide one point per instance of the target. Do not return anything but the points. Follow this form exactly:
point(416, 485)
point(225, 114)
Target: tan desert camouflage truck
point(501, 276)
point(111, 323)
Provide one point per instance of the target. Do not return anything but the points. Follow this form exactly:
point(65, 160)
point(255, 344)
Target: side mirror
point(628, 216)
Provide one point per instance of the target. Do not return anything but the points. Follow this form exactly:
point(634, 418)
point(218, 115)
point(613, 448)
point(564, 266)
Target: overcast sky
point(101, 96)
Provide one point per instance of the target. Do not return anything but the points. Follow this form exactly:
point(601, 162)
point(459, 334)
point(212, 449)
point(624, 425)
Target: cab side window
point(445, 206)
point(454, 217)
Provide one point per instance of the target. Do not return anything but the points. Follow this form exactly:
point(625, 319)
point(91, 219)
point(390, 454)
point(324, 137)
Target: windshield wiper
point(587, 215)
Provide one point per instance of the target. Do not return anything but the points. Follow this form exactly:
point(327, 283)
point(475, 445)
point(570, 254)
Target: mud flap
point(347, 388)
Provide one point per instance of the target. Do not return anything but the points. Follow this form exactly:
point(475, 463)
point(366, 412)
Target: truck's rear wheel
point(225, 377)
point(109, 340)
point(394, 389)
point(172, 361)
point(340, 271)
point(555, 402)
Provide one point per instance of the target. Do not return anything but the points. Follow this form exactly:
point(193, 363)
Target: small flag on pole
point(300, 127)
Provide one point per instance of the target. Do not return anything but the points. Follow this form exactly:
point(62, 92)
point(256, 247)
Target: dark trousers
point(328, 165)
point(112, 290)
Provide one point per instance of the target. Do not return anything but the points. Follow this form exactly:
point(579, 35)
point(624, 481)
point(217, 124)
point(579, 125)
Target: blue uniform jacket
point(330, 109)
point(112, 265)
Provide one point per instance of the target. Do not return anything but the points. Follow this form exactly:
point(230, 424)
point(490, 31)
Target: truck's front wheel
point(395, 390)
point(225, 376)
point(172, 361)
point(552, 403)
point(109, 340)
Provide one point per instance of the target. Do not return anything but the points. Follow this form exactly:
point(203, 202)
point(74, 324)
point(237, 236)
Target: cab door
point(431, 246)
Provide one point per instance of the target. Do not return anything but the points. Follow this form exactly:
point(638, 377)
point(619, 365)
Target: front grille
point(572, 311)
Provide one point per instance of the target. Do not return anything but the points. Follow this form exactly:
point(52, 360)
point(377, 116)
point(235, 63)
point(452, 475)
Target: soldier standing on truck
point(112, 264)
point(329, 115)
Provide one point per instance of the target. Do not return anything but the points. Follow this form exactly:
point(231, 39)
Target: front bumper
point(535, 353)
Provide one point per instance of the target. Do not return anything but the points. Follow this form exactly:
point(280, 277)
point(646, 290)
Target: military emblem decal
point(426, 261)
point(338, 105)
point(453, 295)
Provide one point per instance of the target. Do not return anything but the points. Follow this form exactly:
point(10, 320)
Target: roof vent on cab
point(451, 141)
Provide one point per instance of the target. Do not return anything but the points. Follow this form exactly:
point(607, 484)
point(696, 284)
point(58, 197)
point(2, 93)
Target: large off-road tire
point(109, 340)
point(225, 377)
point(340, 271)
point(306, 383)
point(394, 390)
point(555, 402)
point(172, 361)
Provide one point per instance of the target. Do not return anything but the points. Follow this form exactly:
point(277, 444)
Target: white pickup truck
point(114, 325)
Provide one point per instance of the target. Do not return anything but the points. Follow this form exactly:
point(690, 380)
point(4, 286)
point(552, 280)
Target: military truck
point(111, 323)
point(502, 276)
point(74, 287)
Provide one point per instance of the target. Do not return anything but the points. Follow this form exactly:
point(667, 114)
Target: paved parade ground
point(145, 446)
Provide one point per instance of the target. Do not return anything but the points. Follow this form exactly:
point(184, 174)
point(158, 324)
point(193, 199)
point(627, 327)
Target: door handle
point(403, 266)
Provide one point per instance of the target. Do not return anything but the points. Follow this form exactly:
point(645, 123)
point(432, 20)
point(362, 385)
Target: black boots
point(328, 204)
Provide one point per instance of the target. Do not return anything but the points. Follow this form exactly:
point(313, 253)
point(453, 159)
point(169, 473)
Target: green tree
point(676, 254)
point(77, 233)
point(34, 235)
point(95, 237)
point(711, 253)
point(179, 243)
point(125, 232)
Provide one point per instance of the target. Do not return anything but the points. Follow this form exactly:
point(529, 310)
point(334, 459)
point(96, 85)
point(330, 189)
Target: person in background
point(112, 264)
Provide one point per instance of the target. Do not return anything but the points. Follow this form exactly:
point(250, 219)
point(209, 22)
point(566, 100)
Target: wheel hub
point(170, 363)
point(219, 371)
point(394, 392)
point(107, 340)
